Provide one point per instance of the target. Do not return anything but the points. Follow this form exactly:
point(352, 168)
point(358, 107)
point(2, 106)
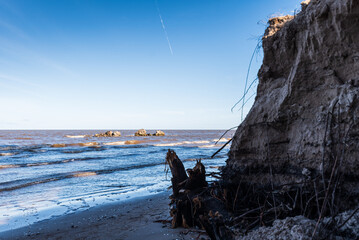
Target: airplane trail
point(164, 28)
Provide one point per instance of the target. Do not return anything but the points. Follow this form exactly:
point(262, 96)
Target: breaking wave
point(221, 140)
point(88, 144)
point(7, 154)
point(181, 143)
point(76, 136)
point(115, 143)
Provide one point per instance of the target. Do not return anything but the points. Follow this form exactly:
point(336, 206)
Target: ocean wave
point(38, 164)
point(8, 166)
point(74, 151)
point(58, 145)
point(76, 136)
point(96, 148)
point(197, 142)
point(88, 144)
point(96, 144)
point(135, 142)
point(84, 174)
point(61, 145)
point(221, 140)
point(6, 154)
point(181, 143)
point(167, 144)
point(115, 143)
point(211, 146)
point(7, 148)
point(132, 142)
point(18, 184)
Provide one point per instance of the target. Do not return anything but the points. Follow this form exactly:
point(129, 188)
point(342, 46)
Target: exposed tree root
point(226, 210)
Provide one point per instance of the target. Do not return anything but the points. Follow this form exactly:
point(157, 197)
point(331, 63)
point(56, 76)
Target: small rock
point(159, 133)
point(108, 134)
point(116, 134)
point(141, 133)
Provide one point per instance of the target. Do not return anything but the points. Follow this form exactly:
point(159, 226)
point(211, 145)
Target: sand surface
point(133, 219)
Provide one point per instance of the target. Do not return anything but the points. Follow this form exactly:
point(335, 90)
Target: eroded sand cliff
point(306, 111)
point(292, 171)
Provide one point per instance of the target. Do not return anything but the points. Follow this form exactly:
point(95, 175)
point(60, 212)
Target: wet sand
point(133, 219)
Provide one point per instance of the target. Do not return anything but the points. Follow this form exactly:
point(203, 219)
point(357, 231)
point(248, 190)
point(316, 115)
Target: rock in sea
point(159, 133)
point(141, 133)
point(108, 134)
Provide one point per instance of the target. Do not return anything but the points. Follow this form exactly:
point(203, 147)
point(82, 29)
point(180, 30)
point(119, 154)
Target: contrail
point(164, 28)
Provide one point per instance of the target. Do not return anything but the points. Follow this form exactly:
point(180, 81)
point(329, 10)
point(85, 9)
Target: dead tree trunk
point(192, 200)
point(177, 169)
point(180, 180)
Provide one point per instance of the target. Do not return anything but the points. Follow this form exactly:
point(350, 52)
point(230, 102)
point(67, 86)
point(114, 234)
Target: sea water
point(49, 173)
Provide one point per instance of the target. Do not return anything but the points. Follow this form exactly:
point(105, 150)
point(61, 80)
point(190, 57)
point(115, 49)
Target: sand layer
point(134, 219)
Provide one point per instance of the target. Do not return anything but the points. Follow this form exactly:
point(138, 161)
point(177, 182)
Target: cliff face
point(306, 112)
point(293, 167)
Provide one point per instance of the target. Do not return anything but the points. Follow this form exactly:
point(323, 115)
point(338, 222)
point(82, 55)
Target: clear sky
point(107, 64)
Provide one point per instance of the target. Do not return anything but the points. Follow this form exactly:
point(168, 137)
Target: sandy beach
point(139, 218)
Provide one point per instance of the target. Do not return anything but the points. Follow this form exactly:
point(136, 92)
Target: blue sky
point(96, 64)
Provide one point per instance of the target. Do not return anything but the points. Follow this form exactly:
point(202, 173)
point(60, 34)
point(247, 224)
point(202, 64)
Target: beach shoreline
point(40, 182)
point(138, 218)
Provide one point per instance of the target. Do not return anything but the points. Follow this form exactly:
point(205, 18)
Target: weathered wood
point(192, 200)
point(197, 177)
point(177, 169)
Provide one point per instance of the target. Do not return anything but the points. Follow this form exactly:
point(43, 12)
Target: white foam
point(221, 140)
point(180, 143)
point(198, 142)
point(167, 144)
point(209, 146)
point(115, 143)
point(75, 136)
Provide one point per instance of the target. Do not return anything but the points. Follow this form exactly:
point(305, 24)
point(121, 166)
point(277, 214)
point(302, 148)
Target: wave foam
point(88, 144)
point(76, 136)
point(115, 143)
point(209, 146)
point(180, 143)
point(131, 142)
point(221, 140)
point(166, 144)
